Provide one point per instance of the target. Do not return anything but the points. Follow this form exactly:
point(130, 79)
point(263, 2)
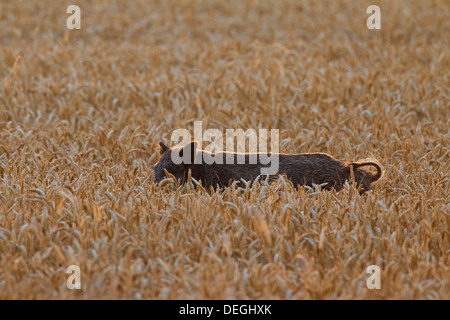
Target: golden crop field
point(82, 112)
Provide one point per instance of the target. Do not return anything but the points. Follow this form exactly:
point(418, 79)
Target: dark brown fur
point(301, 169)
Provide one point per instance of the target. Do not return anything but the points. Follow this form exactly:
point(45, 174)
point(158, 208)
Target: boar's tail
point(376, 176)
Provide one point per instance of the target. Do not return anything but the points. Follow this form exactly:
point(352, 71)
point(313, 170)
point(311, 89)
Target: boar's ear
point(162, 148)
point(191, 149)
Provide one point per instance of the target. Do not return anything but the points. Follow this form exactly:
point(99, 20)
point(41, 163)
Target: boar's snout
point(158, 173)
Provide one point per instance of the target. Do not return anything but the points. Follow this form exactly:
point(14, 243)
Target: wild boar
point(303, 169)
